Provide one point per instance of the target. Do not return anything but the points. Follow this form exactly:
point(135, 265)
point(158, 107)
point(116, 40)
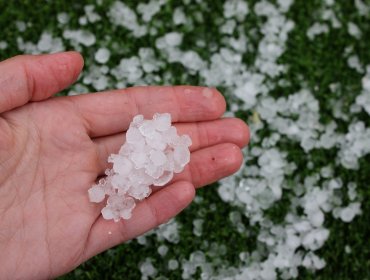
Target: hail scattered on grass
point(245, 61)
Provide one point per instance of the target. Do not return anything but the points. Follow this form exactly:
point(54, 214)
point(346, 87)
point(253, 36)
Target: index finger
point(111, 112)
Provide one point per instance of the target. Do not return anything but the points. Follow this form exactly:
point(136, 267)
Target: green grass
point(319, 63)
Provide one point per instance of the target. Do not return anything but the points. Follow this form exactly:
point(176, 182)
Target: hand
point(53, 149)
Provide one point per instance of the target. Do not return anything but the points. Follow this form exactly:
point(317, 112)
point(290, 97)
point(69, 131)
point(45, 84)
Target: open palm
point(53, 149)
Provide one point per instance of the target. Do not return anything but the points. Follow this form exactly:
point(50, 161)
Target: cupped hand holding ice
point(52, 150)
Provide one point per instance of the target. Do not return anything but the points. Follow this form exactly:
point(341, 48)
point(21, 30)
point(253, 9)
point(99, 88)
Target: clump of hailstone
point(153, 152)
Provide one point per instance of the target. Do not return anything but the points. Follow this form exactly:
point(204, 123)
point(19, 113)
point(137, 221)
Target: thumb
point(27, 78)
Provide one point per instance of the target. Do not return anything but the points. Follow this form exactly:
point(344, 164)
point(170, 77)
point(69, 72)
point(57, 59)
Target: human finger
point(111, 112)
point(211, 164)
point(203, 134)
point(27, 78)
point(148, 214)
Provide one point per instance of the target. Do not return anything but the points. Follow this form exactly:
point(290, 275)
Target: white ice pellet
point(317, 29)
point(107, 213)
point(235, 8)
point(348, 213)
point(347, 249)
point(148, 10)
point(3, 45)
point(138, 159)
point(102, 55)
point(147, 268)
point(314, 239)
point(96, 194)
point(21, 26)
point(317, 218)
point(162, 250)
point(169, 232)
point(162, 122)
point(91, 16)
point(45, 43)
point(198, 227)
point(354, 62)
point(87, 38)
point(83, 37)
point(122, 166)
point(173, 264)
point(354, 30)
point(153, 152)
point(179, 16)
point(181, 155)
point(173, 39)
point(63, 18)
point(158, 158)
point(164, 179)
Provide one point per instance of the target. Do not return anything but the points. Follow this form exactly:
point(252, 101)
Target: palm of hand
point(53, 150)
point(53, 163)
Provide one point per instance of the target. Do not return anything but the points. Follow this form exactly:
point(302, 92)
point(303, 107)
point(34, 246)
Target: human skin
point(52, 149)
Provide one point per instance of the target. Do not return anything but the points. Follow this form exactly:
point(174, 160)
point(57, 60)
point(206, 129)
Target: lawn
point(294, 73)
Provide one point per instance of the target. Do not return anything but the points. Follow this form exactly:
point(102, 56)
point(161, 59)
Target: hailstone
point(152, 153)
